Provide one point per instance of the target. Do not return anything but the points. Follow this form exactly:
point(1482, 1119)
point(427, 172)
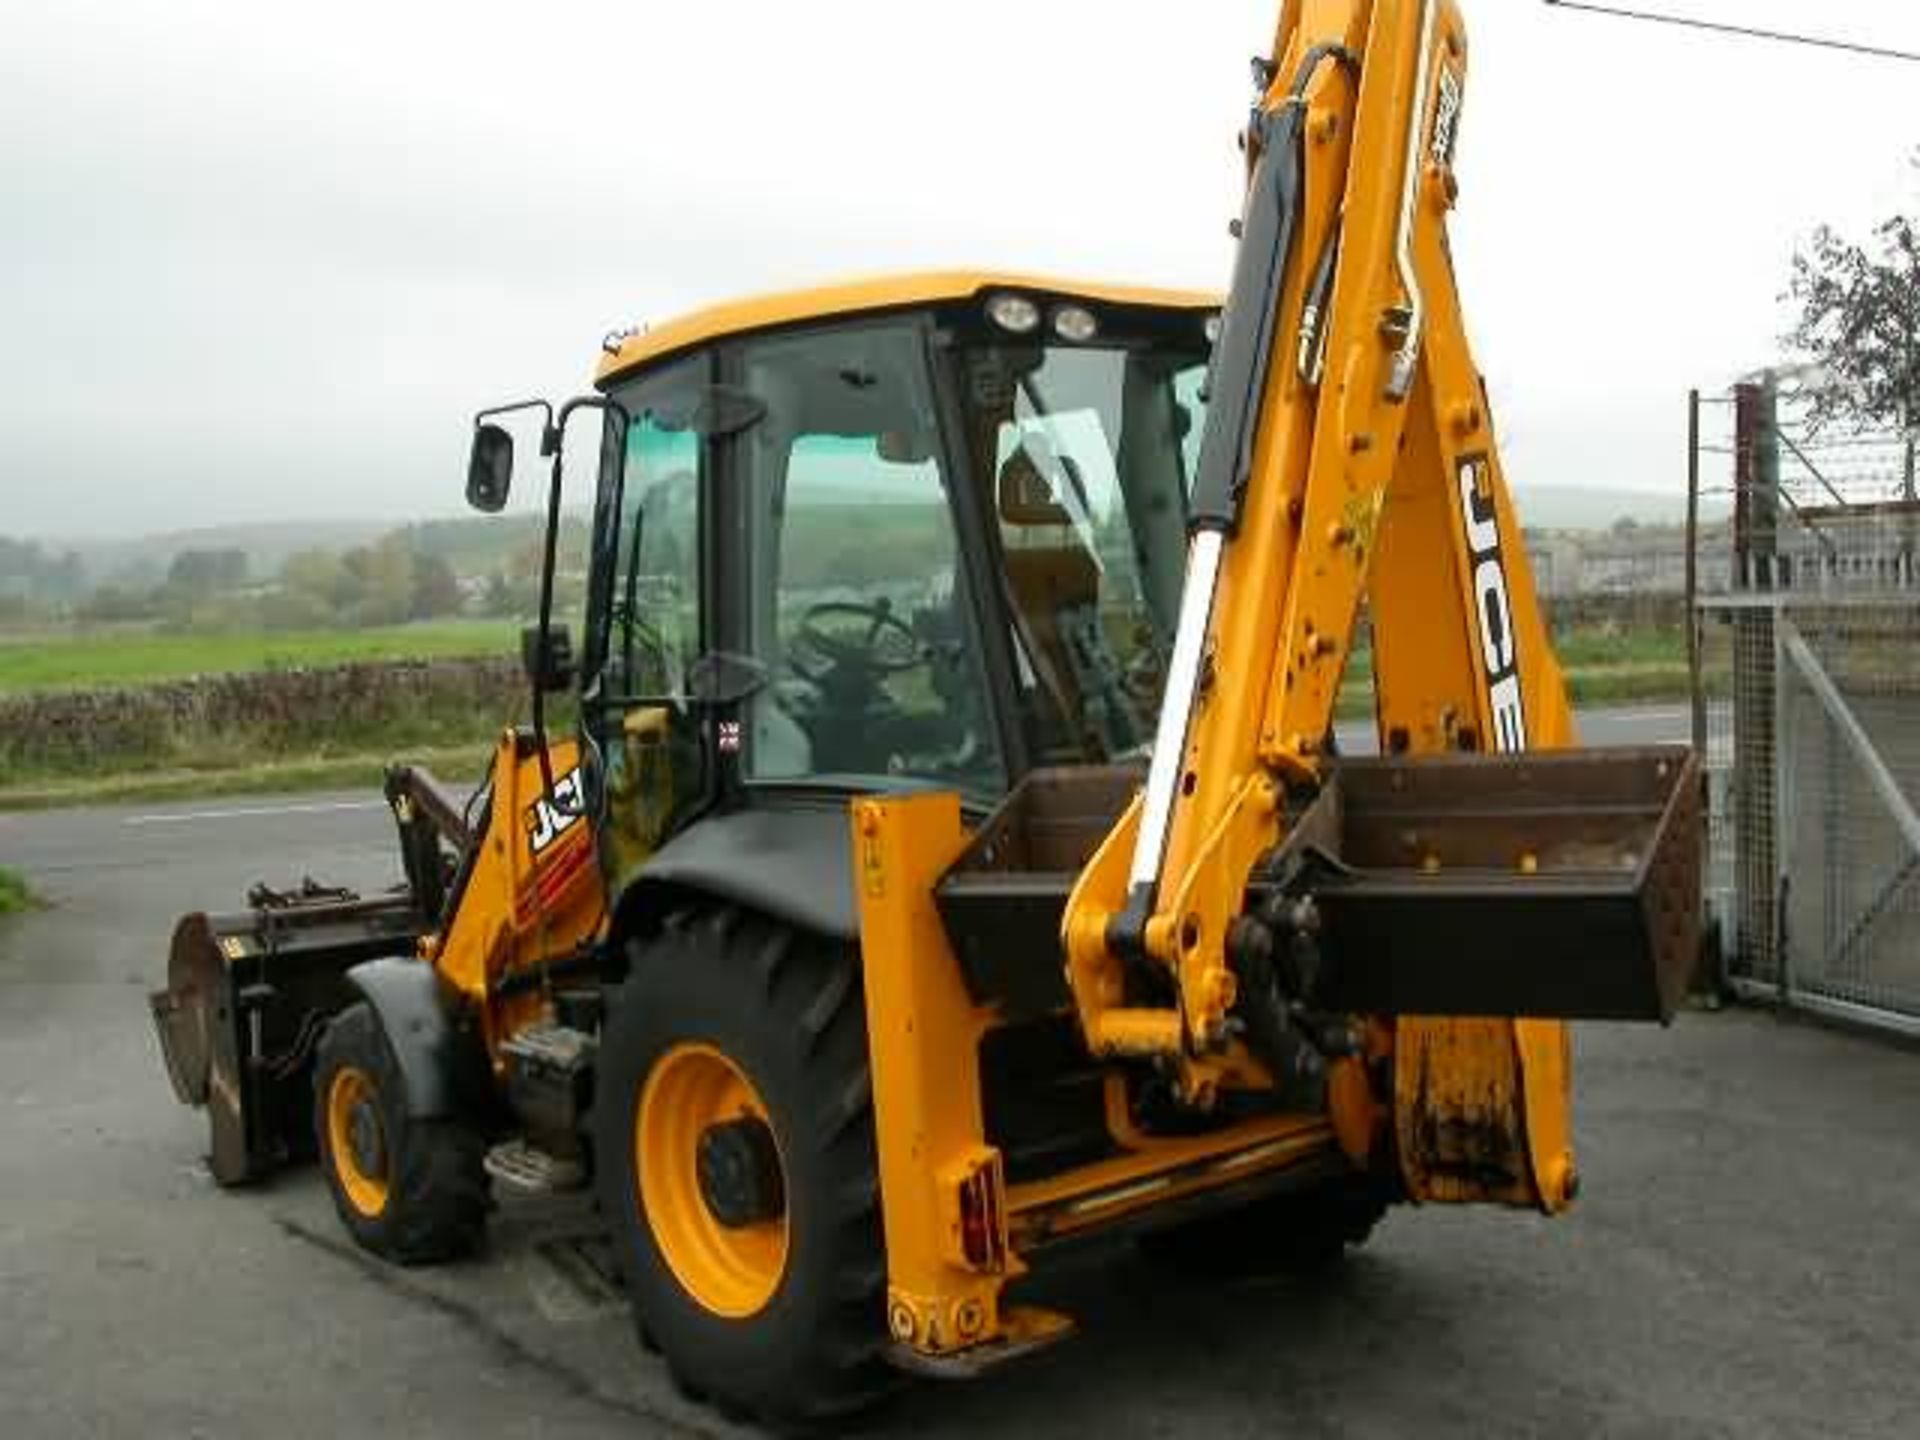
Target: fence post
point(1906, 519)
point(1757, 757)
point(1691, 616)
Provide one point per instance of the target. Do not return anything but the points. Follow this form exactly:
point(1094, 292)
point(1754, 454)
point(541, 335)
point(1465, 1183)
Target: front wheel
point(733, 1132)
point(412, 1190)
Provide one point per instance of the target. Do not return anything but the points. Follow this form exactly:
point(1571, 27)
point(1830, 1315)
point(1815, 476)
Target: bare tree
point(1859, 319)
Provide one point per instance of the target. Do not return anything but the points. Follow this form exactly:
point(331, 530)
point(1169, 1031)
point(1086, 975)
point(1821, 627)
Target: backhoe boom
point(1348, 453)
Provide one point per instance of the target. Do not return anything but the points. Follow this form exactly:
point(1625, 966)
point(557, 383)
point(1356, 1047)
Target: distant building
point(1633, 559)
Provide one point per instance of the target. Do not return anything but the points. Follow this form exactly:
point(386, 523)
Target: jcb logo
point(1492, 606)
point(549, 819)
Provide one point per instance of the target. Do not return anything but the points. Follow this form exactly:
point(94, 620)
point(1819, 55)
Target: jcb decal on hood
point(548, 819)
point(1493, 609)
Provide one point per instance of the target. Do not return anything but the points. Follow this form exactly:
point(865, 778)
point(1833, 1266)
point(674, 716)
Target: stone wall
point(258, 715)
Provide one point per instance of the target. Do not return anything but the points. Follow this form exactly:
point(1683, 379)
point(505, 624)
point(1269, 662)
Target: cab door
point(646, 617)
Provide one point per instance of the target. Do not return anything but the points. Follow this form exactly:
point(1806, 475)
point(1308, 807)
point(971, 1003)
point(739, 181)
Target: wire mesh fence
point(1787, 503)
point(1807, 706)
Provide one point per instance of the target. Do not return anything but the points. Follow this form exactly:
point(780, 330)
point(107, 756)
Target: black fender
point(441, 1059)
point(793, 864)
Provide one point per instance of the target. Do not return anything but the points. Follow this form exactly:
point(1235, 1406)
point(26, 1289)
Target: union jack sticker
point(728, 737)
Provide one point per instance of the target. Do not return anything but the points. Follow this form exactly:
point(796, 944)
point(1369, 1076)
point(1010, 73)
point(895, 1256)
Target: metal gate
point(1806, 664)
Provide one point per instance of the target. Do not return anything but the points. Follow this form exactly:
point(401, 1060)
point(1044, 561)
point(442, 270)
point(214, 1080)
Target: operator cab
point(947, 529)
point(931, 530)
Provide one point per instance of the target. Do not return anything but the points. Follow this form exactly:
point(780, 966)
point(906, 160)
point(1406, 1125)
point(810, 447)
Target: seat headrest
point(1025, 495)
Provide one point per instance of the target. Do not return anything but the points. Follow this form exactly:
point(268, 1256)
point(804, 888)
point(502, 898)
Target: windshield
point(1092, 451)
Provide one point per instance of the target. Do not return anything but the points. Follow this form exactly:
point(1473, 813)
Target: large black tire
point(429, 1175)
point(1295, 1233)
point(784, 1009)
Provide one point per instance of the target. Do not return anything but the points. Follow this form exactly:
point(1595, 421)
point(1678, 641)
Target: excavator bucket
point(1561, 884)
point(246, 998)
point(1553, 884)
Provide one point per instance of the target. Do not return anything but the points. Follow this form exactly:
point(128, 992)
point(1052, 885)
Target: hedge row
point(236, 719)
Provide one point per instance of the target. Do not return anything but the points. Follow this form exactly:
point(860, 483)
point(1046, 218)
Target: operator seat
point(1049, 571)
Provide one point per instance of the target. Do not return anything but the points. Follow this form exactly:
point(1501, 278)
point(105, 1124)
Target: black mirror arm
point(545, 641)
point(544, 406)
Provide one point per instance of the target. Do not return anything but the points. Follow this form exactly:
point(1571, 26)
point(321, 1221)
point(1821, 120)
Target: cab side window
point(653, 611)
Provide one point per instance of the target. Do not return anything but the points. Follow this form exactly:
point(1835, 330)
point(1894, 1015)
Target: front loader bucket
point(1561, 884)
point(246, 999)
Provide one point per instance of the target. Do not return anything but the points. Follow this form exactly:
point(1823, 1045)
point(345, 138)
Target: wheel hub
point(365, 1138)
point(738, 1165)
point(356, 1140)
point(711, 1192)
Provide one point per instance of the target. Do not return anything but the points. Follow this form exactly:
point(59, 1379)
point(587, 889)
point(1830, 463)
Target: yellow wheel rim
point(732, 1270)
point(357, 1140)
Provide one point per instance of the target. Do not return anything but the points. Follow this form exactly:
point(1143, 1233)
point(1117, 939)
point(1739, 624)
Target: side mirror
point(490, 469)
point(558, 672)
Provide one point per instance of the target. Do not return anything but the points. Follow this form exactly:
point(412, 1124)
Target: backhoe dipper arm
point(1346, 422)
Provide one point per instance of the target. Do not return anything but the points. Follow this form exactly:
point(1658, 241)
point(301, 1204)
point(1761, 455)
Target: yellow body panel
point(535, 893)
point(890, 292)
point(924, 1033)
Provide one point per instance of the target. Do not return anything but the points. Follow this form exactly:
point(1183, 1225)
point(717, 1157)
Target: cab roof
point(627, 352)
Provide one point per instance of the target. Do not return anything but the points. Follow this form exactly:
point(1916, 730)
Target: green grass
point(1600, 647)
point(95, 659)
point(15, 896)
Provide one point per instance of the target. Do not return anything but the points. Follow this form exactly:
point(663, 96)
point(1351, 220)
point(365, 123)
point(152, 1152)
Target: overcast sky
point(262, 261)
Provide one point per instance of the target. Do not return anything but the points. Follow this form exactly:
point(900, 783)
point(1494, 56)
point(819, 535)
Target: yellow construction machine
point(953, 859)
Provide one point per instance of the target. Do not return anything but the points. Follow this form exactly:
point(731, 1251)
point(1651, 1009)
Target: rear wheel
point(733, 1132)
point(412, 1190)
point(1305, 1231)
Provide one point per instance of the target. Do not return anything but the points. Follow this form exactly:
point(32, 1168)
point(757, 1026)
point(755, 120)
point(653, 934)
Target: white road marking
point(319, 807)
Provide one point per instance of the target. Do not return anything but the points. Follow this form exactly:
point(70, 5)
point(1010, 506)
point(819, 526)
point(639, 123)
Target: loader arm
point(1348, 452)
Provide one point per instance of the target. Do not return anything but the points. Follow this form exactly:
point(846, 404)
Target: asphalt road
point(1744, 1261)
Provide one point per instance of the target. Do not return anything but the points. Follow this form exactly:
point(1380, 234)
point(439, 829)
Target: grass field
point(90, 659)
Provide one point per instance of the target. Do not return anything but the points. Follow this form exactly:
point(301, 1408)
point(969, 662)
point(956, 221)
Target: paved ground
point(1745, 1260)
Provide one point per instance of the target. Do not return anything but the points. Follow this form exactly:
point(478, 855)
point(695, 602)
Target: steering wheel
point(866, 638)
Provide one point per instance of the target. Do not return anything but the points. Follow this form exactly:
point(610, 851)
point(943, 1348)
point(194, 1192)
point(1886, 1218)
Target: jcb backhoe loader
point(954, 860)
